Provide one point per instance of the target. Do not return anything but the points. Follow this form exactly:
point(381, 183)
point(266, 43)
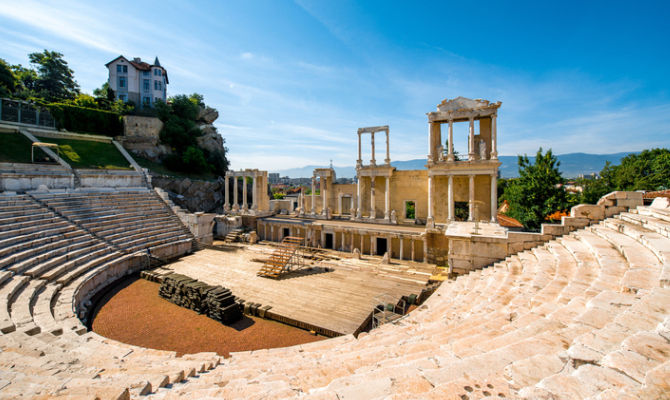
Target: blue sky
point(294, 80)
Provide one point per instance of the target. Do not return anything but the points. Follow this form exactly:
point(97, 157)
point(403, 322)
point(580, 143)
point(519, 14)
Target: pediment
point(462, 103)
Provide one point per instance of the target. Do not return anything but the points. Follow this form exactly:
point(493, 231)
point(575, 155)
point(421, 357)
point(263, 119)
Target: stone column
point(387, 200)
point(254, 195)
point(265, 231)
point(494, 137)
point(226, 204)
point(323, 239)
point(450, 199)
point(471, 198)
point(245, 198)
point(360, 158)
point(373, 245)
point(402, 247)
point(362, 243)
point(312, 195)
point(324, 201)
point(494, 198)
point(272, 233)
point(236, 205)
point(430, 143)
point(351, 245)
point(373, 213)
point(471, 140)
point(411, 247)
point(450, 155)
point(372, 160)
point(359, 211)
point(425, 250)
point(429, 220)
point(389, 246)
point(387, 161)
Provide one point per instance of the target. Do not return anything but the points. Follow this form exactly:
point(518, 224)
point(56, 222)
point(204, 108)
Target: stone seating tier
point(583, 316)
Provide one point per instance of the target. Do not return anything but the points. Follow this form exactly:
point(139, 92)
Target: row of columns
point(471, 139)
point(373, 211)
point(471, 198)
point(311, 240)
point(245, 198)
point(372, 132)
point(324, 197)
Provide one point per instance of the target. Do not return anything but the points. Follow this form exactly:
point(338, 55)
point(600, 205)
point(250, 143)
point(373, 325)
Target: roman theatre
point(414, 287)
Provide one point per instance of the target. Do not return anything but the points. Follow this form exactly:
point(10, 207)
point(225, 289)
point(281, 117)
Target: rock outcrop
point(193, 195)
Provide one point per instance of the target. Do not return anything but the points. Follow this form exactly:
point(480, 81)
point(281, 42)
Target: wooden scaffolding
point(289, 255)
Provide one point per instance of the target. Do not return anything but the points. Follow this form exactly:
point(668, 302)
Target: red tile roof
point(658, 193)
point(509, 222)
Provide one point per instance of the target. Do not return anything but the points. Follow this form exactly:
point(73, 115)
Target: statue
point(394, 217)
point(482, 149)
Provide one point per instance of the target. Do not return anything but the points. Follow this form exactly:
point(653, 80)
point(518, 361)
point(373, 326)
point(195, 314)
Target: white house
point(137, 81)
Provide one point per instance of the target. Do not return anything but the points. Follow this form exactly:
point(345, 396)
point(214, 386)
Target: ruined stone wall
point(407, 186)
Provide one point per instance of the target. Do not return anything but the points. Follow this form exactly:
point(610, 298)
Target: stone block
point(590, 211)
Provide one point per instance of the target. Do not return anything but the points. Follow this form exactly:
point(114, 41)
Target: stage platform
point(337, 301)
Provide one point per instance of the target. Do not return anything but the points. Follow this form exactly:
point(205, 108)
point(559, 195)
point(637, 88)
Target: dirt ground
point(133, 313)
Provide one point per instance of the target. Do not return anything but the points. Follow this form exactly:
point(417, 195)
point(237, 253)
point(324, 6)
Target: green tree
point(26, 82)
point(55, 80)
point(537, 192)
point(8, 81)
point(104, 92)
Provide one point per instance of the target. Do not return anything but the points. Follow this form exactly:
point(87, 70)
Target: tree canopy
point(648, 170)
point(181, 131)
point(7, 79)
point(55, 80)
point(537, 192)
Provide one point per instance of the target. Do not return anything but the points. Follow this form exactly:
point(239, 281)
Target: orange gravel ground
point(134, 313)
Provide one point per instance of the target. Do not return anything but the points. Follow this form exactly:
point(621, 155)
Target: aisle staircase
point(233, 236)
point(285, 256)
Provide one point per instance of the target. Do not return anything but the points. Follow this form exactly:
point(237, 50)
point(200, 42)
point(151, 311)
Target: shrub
point(83, 119)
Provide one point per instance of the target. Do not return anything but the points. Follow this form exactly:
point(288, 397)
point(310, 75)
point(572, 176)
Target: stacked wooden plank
point(221, 305)
point(215, 301)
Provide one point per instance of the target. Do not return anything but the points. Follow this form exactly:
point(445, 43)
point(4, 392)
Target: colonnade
point(345, 239)
point(244, 206)
point(373, 211)
point(471, 196)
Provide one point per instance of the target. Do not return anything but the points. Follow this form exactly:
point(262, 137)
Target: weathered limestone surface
point(583, 316)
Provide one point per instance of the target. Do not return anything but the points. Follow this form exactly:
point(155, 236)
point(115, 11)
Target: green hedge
point(89, 120)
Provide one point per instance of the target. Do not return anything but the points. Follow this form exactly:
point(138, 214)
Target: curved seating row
point(47, 256)
point(584, 316)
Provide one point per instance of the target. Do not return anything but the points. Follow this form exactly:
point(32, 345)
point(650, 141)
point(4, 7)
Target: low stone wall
point(470, 252)
point(101, 279)
point(109, 178)
point(22, 177)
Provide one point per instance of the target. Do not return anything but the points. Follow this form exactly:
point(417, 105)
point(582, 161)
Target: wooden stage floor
point(338, 301)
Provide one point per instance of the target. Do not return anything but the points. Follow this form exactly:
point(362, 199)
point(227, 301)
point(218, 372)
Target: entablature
point(481, 167)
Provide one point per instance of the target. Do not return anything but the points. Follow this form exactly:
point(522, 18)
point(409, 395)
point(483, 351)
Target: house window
point(157, 99)
point(146, 101)
point(121, 68)
point(157, 72)
point(157, 85)
point(145, 73)
point(122, 97)
point(410, 210)
point(147, 85)
point(122, 81)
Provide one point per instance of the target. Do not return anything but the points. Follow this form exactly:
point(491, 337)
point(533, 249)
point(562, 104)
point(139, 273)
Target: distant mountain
point(572, 165)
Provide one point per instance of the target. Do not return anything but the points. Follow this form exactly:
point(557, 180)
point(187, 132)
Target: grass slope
point(89, 154)
point(14, 148)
